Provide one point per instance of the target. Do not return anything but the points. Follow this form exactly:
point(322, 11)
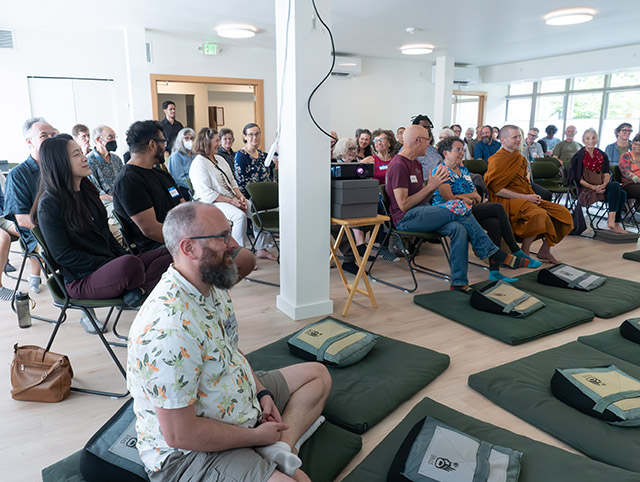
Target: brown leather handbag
point(38, 375)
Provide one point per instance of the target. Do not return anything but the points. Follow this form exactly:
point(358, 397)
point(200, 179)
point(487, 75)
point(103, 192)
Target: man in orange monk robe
point(507, 180)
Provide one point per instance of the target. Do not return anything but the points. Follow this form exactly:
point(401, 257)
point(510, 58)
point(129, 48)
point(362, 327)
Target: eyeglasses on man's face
point(226, 236)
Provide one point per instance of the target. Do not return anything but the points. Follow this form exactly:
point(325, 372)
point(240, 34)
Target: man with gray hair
point(104, 163)
point(200, 407)
point(23, 183)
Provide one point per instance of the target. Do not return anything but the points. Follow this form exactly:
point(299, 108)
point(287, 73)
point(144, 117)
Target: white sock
point(310, 431)
point(280, 454)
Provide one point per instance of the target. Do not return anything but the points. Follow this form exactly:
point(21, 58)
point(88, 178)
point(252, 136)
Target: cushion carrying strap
point(509, 308)
point(604, 402)
point(482, 462)
point(330, 341)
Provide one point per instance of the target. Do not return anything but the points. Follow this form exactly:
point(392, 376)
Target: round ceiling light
point(569, 16)
point(417, 49)
point(236, 31)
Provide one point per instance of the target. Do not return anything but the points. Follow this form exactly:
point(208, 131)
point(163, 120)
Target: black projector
point(351, 170)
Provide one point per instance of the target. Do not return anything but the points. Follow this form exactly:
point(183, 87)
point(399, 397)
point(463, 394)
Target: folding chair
point(264, 210)
point(546, 173)
point(476, 166)
point(596, 212)
point(127, 237)
point(264, 215)
point(632, 203)
point(26, 254)
point(62, 300)
point(416, 238)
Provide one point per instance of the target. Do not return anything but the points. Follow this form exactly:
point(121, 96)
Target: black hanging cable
point(333, 63)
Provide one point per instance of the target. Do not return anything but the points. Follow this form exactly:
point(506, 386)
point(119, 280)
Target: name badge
point(383, 167)
point(413, 178)
point(174, 192)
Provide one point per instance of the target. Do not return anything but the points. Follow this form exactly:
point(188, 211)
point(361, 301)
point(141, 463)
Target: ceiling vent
point(6, 39)
point(347, 66)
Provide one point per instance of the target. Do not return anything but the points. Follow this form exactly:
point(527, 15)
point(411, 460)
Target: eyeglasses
point(110, 137)
point(458, 149)
point(226, 236)
point(626, 130)
point(535, 136)
point(351, 149)
point(380, 139)
point(160, 140)
point(422, 137)
point(257, 134)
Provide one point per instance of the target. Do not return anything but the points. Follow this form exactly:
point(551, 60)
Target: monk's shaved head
point(507, 130)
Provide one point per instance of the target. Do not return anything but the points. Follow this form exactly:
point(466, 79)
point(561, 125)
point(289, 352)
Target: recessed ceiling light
point(417, 49)
point(236, 31)
point(569, 16)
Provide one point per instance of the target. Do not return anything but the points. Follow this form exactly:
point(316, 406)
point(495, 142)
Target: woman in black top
point(74, 224)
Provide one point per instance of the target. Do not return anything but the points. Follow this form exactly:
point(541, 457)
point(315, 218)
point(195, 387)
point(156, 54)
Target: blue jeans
point(459, 229)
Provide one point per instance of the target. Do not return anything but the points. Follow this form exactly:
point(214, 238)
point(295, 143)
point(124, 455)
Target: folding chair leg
point(115, 332)
point(407, 259)
point(61, 319)
point(15, 292)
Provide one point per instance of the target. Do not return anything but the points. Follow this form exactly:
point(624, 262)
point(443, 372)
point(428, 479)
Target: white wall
point(238, 112)
point(386, 94)
point(50, 53)
point(179, 55)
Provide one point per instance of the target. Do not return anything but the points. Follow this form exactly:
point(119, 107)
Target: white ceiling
point(473, 32)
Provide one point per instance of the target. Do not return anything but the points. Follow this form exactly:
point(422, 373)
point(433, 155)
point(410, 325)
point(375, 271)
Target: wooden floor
point(36, 435)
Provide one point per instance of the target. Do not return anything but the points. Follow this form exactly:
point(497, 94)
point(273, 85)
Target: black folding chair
point(62, 300)
point(415, 240)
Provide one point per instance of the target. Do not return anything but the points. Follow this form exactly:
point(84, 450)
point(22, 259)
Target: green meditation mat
point(554, 317)
point(360, 398)
point(540, 462)
point(614, 297)
point(632, 255)
point(523, 388)
point(613, 343)
point(324, 456)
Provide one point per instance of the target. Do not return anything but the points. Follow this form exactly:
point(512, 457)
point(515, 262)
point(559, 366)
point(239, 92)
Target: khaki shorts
point(5, 224)
point(237, 465)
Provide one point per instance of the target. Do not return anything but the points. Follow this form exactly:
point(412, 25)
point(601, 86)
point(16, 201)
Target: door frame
point(258, 90)
point(482, 102)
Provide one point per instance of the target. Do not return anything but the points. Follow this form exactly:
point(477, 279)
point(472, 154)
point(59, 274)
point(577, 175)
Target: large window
point(599, 101)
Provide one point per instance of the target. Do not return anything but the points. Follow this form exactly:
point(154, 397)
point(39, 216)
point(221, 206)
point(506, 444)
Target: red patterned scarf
point(593, 163)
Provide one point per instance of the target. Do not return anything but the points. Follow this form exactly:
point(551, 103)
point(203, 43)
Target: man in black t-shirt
point(142, 195)
point(170, 125)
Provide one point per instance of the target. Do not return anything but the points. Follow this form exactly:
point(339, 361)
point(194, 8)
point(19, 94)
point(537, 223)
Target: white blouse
point(211, 181)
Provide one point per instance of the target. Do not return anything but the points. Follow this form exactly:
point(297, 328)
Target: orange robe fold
point(508, 170)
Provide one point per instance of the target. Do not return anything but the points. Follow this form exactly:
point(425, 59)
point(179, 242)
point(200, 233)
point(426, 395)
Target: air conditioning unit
point(347, 66)
point(461, 75)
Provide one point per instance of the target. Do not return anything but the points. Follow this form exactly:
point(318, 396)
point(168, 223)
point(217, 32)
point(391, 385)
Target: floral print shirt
point(183, 350)
point(103, 173)
point(250, 170)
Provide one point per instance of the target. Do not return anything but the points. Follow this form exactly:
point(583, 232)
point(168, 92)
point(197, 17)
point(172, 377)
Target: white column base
point(304, 311)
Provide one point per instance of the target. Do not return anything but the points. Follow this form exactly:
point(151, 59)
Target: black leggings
point(494, 220)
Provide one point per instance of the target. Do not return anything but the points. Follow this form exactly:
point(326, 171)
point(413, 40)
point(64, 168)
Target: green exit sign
point(210, 49)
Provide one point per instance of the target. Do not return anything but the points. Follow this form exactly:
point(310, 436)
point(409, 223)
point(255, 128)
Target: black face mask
point(111, 146)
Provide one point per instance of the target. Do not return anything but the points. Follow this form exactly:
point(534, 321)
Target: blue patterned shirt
point(103, 173)
point(248, 169)
point(460, 184)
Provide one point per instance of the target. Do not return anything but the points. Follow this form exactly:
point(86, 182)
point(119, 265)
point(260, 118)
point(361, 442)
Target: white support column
point(443, 93)
point(137, 74)
point(304, 176)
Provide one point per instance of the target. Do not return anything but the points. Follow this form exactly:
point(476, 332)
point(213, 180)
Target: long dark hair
point(56, 179)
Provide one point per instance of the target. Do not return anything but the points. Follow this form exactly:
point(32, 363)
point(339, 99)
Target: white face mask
point(188, 145)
